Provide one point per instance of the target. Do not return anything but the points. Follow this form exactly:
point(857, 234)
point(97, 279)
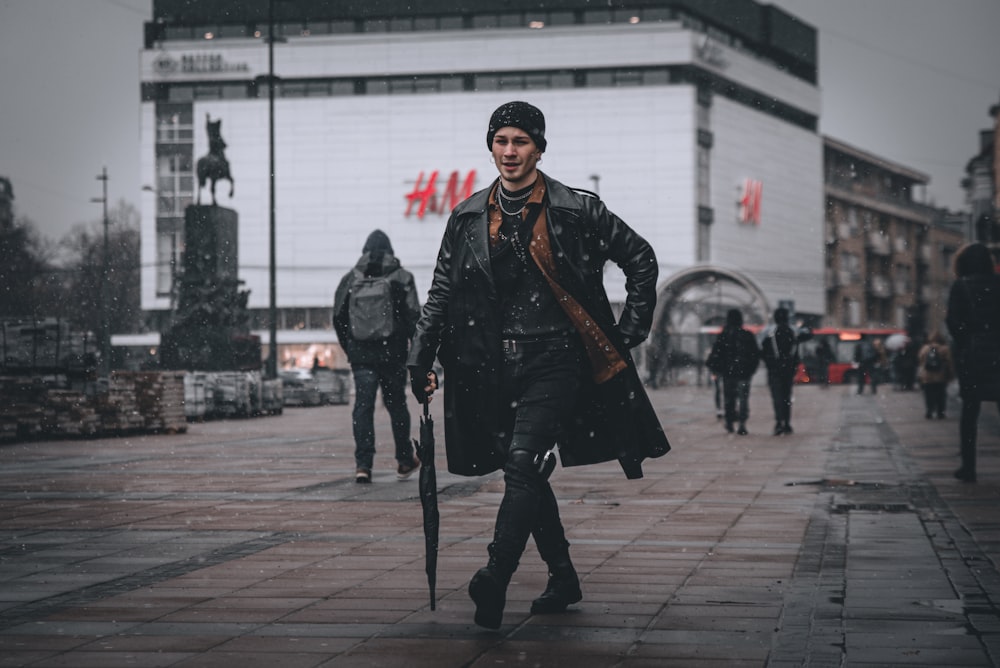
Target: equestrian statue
point(214, 166)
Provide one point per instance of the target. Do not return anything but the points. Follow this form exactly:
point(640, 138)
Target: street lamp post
point(105, 334)
point(596, 178)
point(272, 354)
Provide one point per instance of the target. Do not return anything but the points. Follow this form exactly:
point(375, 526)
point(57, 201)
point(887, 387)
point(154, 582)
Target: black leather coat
point(460, 325)
point(973, 320)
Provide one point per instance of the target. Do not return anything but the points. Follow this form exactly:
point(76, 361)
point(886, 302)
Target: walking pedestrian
point(869, 355)
point(532, 354)
point(973, 320)
point(824, 357)
point(780, 351)
point(375, 311)
point(735, 356)
point(935, 371)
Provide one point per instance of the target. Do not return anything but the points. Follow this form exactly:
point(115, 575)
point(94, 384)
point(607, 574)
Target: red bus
point(843, 341)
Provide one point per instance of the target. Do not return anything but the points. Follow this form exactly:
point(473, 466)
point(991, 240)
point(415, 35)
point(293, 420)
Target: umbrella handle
point(427, 408)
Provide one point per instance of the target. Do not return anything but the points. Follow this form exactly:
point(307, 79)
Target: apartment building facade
point(888, 255)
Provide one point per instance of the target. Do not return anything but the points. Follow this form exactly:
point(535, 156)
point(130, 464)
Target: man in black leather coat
point(533, 356)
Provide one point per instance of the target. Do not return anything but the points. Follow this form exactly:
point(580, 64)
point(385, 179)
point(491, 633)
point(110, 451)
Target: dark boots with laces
point(563, 590)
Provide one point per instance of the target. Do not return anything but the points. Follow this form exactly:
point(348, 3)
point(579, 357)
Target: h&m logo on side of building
point(749, 202)
point(426, 199)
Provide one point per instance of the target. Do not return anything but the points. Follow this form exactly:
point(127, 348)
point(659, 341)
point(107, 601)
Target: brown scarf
point(605, 361)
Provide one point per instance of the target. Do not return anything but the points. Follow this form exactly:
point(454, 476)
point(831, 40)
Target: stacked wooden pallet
point(33, 408)
point(118, 408)
point(70, 413)
point(22, 399)
point(160, 398)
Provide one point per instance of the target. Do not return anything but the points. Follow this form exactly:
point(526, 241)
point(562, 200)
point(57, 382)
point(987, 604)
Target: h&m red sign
point(426, 199)
point(750, 201)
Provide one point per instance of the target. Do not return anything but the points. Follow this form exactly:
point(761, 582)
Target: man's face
point(515, 155)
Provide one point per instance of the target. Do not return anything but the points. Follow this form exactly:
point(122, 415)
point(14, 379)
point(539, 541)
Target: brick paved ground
point(247, 543)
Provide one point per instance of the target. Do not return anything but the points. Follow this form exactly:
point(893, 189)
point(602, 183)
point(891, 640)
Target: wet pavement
point(247, 543)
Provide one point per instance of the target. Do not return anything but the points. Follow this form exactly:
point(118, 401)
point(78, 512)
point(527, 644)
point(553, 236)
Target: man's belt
point(538, 344)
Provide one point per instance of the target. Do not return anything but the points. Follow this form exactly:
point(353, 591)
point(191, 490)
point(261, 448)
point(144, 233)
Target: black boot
point(563, 590)
point(488, 590)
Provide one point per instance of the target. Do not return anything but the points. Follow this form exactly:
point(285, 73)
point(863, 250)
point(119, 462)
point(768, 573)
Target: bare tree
point(25, 270)
point(86, 272)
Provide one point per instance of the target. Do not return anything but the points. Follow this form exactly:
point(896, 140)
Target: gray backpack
point(370, 308)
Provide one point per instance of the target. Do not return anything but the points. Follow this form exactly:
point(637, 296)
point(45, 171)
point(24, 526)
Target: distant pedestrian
point(780, 350)
point(870, 358)
point(905, 365)
point(824, 358)
point(735, 356)
point(934, 372)
point(973, 320)
point(375, 312)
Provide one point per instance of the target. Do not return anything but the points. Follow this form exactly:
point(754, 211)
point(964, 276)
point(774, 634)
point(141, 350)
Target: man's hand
point(423, 385)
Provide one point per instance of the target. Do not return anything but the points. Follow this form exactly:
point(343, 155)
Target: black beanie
point(518, 115)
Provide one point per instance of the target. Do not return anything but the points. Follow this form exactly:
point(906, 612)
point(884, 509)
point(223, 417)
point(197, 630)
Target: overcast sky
point(909, 80)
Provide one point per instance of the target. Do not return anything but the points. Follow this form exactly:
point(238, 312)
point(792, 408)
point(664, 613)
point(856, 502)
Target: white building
point(698, 128)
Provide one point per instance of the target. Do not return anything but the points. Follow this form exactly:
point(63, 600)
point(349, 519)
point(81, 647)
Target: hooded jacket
point(735, 353)
point(377, 259)
point(460, 326)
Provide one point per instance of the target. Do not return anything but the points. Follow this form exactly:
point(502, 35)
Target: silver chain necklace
point(510, 213)
point(502, 195)
point(511, 198)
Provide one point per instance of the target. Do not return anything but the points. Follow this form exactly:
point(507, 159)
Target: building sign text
point(426, 198)
point(750, 201)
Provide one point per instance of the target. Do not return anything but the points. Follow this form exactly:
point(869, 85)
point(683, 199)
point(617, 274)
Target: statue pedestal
point(210, 326)
point(211, 241)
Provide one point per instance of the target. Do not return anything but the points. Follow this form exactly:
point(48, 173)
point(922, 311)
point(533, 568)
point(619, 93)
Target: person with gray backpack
point(375, 312)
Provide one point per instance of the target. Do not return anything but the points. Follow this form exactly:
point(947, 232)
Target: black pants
point(780, 385)
point(872, 371)
point(935, 398)
point(968, 428)
point(539, 391)
point(736, 393)
point(392, 379)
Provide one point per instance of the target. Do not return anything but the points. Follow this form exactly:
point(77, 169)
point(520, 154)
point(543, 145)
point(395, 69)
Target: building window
point(174, 124)
point(852, 222)
point(852, 312)
point(167, 257)
point(484, 21)
point(375, 25)
point(704, 175)
point(539, 80)
point(704, 240)
point(180, 93)
point(561, 19)
point(404, 24)
point(597, 16)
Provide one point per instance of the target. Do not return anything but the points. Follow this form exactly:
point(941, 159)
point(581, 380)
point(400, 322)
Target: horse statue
point(214, 166)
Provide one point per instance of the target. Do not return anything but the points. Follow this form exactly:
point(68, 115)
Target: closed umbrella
point(428, 498)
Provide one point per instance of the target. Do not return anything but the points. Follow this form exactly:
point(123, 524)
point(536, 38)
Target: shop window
point(597, 16)
point(560, 19)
